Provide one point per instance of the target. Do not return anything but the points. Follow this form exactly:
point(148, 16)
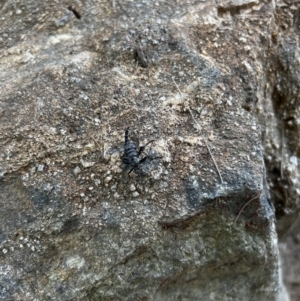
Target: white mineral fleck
point(294, 160)
point(86, 163)
point(76, 262)
point(108, 179)
point(76, 170)
point(48, 187)
point(40, 167)
point(132, 187)
point(25, 177)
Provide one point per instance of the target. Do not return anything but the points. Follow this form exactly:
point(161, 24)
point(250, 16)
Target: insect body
point(131, 154)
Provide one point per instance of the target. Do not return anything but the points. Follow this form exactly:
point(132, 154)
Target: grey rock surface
point(279, 116)
point(195, 222)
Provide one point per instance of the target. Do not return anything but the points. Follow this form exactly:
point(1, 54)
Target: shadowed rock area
point(213, 85)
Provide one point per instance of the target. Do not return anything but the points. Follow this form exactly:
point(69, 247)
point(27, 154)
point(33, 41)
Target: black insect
point(131, 154)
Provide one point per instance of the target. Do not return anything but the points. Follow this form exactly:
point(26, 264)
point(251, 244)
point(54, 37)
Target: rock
point(278, 112)
point(196, 220)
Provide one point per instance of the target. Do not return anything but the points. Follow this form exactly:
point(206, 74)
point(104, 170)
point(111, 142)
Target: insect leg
point(143, 160)
point(157, 158)
point(133, 168)
point(126, 134)
point(141, 149)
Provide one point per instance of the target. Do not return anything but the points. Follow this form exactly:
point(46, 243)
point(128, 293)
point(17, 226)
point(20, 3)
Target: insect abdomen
point(131, 153)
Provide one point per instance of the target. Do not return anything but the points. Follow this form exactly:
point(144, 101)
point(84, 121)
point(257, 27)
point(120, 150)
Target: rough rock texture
point(279, 114)
point(195, 222)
